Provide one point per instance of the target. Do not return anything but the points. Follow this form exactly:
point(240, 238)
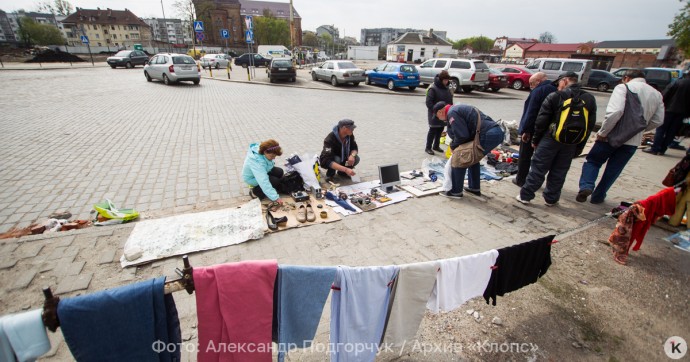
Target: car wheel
point(495, 89)
point(334, 81)
point(112, 66)
point(270, 79)
point(367, 81)
point(148, 77)
point(602, 87)
point(128, 65)
point(412, 88)
point(217, 66)
point(455, 84)
point(467, 89)
point(313, 76)
point(196, 81)
point(517, 84)
point(390, 84)
point(356, 84)
point(244, 65)
point(166, 80)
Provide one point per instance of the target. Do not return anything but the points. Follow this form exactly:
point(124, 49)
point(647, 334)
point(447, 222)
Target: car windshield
point(346, 65)
point(495, 71)
point(480, 65)
point(124, 53)
point(407, 69)
point(282, 63)
point(183, 60)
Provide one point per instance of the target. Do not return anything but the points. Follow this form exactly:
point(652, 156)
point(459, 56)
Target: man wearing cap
point(551, 156)
point(340, 151)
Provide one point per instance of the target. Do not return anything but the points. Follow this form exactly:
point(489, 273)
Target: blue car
point(393, 75)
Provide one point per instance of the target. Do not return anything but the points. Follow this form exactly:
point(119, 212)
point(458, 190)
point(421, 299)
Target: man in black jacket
point(551, 156)
point(340, 151)
point(677, 103)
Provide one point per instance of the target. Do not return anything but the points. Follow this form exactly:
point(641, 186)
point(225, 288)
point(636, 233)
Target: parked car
point(620, 72)
point(172, 68)
point(602, 80)
point(393, 75)
point(467, 74)
point(215, 60)
point(338, 72)
point(497, 80)
point(554, 67)
point(659, 78)
point(518, 78)
point(127, 59)
point(254, 59)
point(281, 69)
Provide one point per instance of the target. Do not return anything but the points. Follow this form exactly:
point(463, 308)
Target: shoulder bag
point(631, 123)
point(470, 153)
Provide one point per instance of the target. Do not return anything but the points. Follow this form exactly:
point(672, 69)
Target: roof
point(417, 38)
point(524, 46)
point(654, 43)
point(548, 47)
point(104, 16)
point(246, 7)
point(519, 40)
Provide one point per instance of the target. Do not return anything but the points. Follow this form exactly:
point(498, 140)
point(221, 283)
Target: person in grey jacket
point(438, 92)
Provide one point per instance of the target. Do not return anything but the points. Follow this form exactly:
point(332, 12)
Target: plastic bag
point(447, 180)
point(306, 170)
point(108, 210)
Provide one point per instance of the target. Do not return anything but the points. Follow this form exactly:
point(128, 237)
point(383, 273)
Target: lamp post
point(165, 26)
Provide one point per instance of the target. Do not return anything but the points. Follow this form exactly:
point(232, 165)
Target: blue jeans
point(615, 159)
point(492, 138)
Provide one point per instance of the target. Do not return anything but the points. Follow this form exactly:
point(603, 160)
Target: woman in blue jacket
point(259, 170)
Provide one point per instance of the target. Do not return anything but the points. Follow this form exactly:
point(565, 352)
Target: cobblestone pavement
point(76, 136)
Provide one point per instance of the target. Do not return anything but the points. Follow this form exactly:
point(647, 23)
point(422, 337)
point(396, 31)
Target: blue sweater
point(462, 124)
point(532, 106)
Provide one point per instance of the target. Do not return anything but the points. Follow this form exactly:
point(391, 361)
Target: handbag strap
point(479, 126)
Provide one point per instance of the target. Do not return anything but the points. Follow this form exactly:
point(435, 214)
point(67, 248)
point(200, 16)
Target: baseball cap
point(565, 75)
point(347, 123)
point(438, 106)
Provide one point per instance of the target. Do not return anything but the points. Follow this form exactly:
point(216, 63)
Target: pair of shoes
point(520, 200)
point(550, 204)
point(652, 152)
point(271, 221)
point(451, 195)
point(428, 151)
point(583, 195)
point(476, 192)
point(438, 149)
point(305, 213)
point(516, 183)
point(251, 193)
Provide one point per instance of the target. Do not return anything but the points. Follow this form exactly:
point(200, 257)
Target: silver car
point(338, 72)
point(214, 60)
point(172, 68)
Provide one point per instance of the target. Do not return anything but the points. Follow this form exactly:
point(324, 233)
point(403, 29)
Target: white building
point(172, 31)
point(362, 52)
point(413, 47)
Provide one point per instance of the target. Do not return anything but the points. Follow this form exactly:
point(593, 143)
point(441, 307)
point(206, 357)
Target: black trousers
point(524, 162)
point(433, 138)
point(553, 158)
point(274, 176)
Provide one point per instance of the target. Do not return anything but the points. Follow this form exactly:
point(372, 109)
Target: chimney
point(431, 33)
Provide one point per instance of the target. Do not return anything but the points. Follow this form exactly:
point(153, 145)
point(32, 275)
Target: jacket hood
point(438, 83)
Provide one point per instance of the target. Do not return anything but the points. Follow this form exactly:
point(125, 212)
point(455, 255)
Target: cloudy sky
point(570, 21)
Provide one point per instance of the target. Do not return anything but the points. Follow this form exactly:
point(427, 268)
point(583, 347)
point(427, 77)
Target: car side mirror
point(146, 62)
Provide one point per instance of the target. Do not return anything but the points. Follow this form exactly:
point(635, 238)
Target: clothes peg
point(186, 280)
point(49, 314)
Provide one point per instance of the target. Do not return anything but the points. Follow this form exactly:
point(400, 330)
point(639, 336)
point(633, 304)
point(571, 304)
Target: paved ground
point(75, 136)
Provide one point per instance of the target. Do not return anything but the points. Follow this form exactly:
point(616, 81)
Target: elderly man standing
point(541, 87)
point(616, 158)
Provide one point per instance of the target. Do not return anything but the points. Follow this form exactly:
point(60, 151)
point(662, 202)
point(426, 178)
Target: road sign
point(249, 36)
point(224, 33)
point(248, 21)
point(198, 26)
point(200, 36)
point(85, 39)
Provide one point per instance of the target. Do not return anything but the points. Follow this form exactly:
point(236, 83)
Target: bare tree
point(547, 37)
point(57, 7)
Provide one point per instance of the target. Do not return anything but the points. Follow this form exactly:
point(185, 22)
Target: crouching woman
point(259, 170)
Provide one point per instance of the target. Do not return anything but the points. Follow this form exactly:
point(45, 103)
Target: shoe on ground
point(302, 213)
point(520, 200)
point(652, 152)
point(438, 149)
point(550, 204)
point(515, 182)
point(251, 193)
point(451, 195)
point(475, 192)
point(311, 216)
point(429, 151)
point(596, 202)
point(583, 195)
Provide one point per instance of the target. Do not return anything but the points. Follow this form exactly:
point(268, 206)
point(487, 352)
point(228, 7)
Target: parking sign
point(224, 33)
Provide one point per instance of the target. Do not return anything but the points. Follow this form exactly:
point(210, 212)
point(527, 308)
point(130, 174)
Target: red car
point(497, 80)
point(518, 78)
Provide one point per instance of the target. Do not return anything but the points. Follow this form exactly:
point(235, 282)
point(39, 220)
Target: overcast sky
point(570, 21)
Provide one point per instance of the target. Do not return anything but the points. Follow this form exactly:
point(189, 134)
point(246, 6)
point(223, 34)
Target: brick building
point(640, 53)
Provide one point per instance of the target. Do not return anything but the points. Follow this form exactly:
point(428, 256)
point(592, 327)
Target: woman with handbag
point(259, 170)
point(474, 134)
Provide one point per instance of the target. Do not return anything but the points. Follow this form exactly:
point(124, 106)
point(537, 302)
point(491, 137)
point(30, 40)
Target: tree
point(679, 29)
point(58, 7)
point(310, 39)
point(269, 30)
point(547, 37)
point(33, 33)
point(191, 10)
point(478, 43)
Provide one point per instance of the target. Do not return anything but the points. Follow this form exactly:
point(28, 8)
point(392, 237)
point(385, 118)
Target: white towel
point(26, 334)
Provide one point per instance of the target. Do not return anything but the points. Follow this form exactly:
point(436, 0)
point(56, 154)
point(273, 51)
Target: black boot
point(271, 221)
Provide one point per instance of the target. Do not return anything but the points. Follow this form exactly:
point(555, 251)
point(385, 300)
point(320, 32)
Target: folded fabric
point(518, 266)
point(660, 204)
point(359, 305)
point(128, 323)
point(408, 299)
point(342, 203)
point(298, 299)
point(461, 279)
point(234, 304)
point(24, 336)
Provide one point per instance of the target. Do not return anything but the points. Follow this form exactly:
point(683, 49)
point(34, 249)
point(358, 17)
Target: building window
point(98, 36)
point(112, 27)
point(114, 36)
point(99, 44)
point(421, 52)
point(126, 36)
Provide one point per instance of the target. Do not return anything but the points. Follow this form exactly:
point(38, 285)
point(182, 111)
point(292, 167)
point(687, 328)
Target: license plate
point(187, 67)
point(410, 77)
point(282, 69)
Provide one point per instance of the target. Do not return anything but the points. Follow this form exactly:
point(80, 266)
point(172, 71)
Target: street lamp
point(165, 26)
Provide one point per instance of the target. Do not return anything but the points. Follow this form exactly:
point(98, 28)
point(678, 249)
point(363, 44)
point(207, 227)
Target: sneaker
point(450, 194)
point(473, 191)
point(583, 195)
point(520, 200)
point(428, 151)
point(251, 193)
point(516, 183)
point(438, 149)
point(550, 204)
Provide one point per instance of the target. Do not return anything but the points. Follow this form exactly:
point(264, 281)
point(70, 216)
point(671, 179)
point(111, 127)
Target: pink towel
point(234, 305)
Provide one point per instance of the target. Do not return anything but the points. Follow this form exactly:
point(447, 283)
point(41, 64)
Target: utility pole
point(165, 25)
point(292, 33)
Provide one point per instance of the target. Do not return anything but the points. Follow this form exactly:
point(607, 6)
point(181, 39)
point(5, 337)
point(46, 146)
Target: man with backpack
point(563, 125)
point(645, 102)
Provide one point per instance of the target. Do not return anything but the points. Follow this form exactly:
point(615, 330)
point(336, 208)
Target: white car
point(338, 72)
point(215, 60)
point(172, 68)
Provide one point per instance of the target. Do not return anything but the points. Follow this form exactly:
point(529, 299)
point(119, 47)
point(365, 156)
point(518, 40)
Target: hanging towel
point(359, 305)
point(660, 204)
point(25, 336)
point(234, 304)
point(299, 296)
point(518, 266)
point(461, 279)
point(121, 324)
point(409, 296)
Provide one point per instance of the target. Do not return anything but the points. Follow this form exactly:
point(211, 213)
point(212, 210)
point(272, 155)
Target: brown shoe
point(302, 213)
point(310, 213)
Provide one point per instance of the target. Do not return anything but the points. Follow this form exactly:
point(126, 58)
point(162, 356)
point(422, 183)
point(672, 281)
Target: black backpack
point(572, 120)
point(291, 182)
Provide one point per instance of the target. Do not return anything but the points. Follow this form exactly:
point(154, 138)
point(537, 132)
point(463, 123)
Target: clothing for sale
point(120, 324)
point(23, 336)
point(519, 265)
point(408, 300)
point(660, 204)
point(298, 300)
point(234, 304)
point(682, 203)
point(461, 279)
point(620, 237)
point(359, 304)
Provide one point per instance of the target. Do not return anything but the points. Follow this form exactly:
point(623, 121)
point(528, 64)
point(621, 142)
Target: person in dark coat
point(340, 151)
point(438, 92)
point(677, 103)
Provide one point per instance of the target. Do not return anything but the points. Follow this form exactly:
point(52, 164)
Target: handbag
point(678, 173)
point(470, 153)
point(631, 122)
point(291, 182)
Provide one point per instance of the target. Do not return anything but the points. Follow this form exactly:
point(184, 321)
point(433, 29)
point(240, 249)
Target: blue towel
point(298, 300)
point(343, 203)
point(121, 324)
